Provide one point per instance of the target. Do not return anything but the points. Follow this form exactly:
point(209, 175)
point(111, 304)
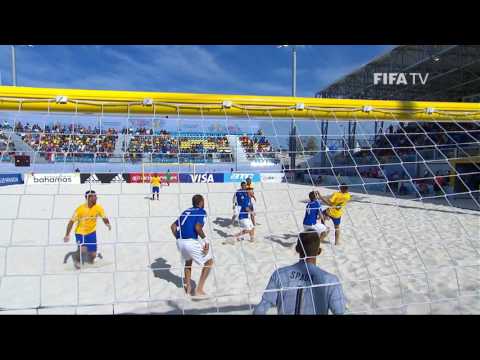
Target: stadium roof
point(454, 75)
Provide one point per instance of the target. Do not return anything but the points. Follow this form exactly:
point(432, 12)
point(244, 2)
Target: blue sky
point(238, 69)
point(228, 69)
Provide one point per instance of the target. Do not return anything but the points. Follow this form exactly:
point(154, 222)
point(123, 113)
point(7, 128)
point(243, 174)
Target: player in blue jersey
point(186, 229)
point(243, 207)
point(246, 223)
point(239, 199)
point(313, 213)
point(303, 288)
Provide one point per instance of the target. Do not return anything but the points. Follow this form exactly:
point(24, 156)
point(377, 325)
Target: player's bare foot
point(252, 240)
point(200, 294)
point(188, 289)
point(76, 264)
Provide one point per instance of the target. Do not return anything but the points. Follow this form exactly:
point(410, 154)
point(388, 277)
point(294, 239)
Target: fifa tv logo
point(399, 78)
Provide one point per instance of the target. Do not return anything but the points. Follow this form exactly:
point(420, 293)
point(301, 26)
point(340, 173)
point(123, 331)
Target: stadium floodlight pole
point(14, 65)
point(293, 147)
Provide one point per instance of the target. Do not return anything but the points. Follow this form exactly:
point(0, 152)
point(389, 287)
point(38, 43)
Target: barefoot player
point(313, 219)
point(337, 203)
point(239, 199)
point(252, 195)
point(187, 229)
point(155, 181)
point(85, 232)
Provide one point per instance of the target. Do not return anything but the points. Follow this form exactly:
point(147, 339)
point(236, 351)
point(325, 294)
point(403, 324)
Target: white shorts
point(191, 249)
point(236, 211)
point(246, 224)
point(319, 227)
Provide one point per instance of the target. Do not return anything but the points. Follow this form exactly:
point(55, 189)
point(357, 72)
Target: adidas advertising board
point(52, 179)
point(103, 178)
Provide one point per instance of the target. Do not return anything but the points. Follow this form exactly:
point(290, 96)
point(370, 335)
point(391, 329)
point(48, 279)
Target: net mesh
point(409, 236)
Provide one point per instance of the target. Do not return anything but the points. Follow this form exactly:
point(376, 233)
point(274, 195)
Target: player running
point(155, 181)
point(85, 232)
point(313, 213)
point(186, 229)
point(291, 287)
point(252, 195)
point(337, 202)
point(246, 223)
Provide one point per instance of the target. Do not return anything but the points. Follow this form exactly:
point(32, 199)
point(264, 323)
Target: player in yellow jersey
point(85, 232)
point(252, 195)
point(336, 203)
point(155, 181)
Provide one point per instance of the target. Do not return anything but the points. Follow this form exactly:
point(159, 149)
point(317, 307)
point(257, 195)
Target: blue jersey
point(243, 213)
point(242, 198)
point(187, 221)
point(311, 213)
point(295, 294)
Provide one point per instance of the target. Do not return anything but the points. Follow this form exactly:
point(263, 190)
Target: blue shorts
point(89, 240)
point(156, 189)
point(336, 221)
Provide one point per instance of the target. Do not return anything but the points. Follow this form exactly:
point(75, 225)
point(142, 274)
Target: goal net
point(409, 238)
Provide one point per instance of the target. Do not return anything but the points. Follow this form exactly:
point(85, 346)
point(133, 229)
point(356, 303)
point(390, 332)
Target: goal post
point(409, 233)
point(151, 103)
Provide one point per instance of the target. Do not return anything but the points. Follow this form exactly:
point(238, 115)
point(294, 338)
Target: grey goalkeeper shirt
point(295, 294)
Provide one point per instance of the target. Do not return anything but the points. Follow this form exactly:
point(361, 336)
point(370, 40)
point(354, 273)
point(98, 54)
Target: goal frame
point(155, 103)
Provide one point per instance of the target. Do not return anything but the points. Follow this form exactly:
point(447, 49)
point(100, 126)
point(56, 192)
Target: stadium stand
point(75, 143)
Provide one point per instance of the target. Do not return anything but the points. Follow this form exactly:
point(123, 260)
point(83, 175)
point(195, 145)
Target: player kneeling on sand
point(186, 229)
point(85, 232)
point(337, 203)
point(313, 213)
point(292, 289)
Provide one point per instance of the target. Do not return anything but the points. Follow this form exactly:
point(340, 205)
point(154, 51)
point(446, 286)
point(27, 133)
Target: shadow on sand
point(279, 239)
point(161, 270)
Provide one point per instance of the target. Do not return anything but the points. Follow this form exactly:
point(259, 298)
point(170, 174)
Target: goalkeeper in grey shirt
point(293, 284)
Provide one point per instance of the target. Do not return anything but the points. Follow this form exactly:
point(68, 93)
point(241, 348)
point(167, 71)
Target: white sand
point(380, 241)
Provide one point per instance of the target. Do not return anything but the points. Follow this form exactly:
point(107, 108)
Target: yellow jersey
point(250, 187)
point(155, 180)
point(87, 218)
point(339, 201)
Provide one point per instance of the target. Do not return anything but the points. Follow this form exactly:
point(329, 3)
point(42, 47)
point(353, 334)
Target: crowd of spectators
point(74, 140)
point(406, 140)
point(257, 144)
point(70, 141)
point(146, 141)
point(7, 147)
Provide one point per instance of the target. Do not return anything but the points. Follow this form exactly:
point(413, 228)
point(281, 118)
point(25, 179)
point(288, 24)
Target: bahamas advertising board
point(52, 179)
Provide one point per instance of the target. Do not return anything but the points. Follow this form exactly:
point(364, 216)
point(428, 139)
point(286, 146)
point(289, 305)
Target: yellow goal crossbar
point(157, 103)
